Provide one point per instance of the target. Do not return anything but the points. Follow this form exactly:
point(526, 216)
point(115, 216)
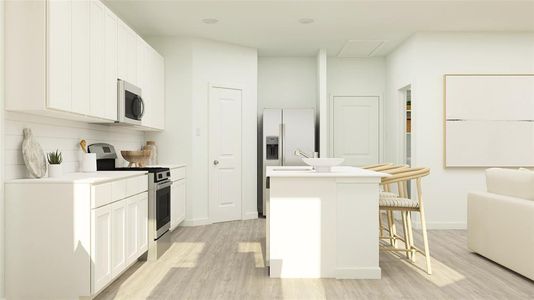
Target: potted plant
point(54, 160)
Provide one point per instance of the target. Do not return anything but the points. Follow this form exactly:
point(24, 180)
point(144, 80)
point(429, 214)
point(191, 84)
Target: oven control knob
point(215, 162)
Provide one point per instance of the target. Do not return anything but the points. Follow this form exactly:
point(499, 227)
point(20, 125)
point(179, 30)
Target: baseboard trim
point(359, 273)
point(195, 222)
point(251, 215)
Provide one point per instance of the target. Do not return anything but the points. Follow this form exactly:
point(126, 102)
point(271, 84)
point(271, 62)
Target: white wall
point(287, 82)
point(191, 65)
point(432, 56)
point(322, 103)
point(283, 82)
point(2, 170)
point(400, 73)
point(63, 135)
point(175, 141)
point(356, 77)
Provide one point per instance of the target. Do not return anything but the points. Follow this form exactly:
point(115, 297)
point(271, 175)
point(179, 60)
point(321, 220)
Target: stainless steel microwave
point(130, 107)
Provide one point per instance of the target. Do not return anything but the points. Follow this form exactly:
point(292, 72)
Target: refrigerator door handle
point(281, 150)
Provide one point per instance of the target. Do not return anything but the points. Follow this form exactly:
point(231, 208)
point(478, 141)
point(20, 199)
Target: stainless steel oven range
point(159, 198)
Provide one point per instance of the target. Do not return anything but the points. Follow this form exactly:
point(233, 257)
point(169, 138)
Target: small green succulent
point(55, 158)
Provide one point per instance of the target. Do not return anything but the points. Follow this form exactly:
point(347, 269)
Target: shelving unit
point(408, 126)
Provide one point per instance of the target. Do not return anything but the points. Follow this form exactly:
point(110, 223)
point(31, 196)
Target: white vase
point(55, 171)
point(88, 162)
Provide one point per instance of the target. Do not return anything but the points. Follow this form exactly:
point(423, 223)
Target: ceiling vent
point(360, 48)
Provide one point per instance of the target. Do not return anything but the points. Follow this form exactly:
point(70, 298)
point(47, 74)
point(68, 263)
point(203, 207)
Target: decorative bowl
point(136, 158)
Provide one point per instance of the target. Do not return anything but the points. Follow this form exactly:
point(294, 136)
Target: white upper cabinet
point(71, 54)
point(111, 64)
point(103, 62)
point(127, 59)
point(81, 57)
point(153, 88)
point(59, 53)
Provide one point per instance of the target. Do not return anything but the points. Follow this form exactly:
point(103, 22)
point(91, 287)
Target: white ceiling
point(273, 27)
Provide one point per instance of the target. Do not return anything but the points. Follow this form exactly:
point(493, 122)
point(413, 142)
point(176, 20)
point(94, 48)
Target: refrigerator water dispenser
point(272, 145)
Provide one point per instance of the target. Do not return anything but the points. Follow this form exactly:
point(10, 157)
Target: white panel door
point(142, 224)
point(298, 132)
point(98, 61)
point(178, 194)
point(118, 237)
point(356, 130)
point(132, 216)
point(59, 63)
point(101, 247)
point(225, 154)
point(81, 56)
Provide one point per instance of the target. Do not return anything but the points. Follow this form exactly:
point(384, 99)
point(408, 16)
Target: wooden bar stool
point(404, 204)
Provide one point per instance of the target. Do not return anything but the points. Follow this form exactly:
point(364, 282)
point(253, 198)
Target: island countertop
point(306, 171)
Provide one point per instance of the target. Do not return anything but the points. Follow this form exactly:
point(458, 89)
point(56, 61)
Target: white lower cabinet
point(101, 246)
point(132, 213)
point(120, 237)
point(142, 225)
point(178, 196)
point(83, 235)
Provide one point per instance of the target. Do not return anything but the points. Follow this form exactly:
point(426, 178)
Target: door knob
point(215, 162)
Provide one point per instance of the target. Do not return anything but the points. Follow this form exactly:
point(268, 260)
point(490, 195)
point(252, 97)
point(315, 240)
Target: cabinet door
point(81, 57)
point(127, 53)
point(59, 63)
point(144, 68)
point(118, 234)
point(142, 224)
point(178, 196)
point(101, 247)
point(132, 216)
point(98, 59)
point(158, 86)
point(111, 61)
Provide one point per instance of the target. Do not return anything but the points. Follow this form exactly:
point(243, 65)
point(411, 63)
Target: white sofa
point(501, 221)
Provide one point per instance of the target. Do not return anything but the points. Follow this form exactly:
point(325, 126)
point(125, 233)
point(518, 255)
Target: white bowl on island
point(323, 164)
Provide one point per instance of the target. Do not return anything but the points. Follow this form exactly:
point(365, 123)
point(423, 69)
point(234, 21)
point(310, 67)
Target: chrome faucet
point(301, 153)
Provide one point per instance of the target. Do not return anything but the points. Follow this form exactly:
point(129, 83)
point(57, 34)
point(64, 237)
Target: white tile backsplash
point(64, 135)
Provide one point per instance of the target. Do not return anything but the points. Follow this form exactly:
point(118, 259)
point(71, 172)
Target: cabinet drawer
point(100, 195)
point(118, 190)
point(106, 193)
point(136, 185)
point(177, 174)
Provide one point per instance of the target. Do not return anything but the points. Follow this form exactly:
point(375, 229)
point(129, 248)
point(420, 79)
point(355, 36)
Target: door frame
point(401, 135)
point(380, 123)
point(230, 86)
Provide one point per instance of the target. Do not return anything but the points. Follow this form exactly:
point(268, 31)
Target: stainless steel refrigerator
point(284, 131)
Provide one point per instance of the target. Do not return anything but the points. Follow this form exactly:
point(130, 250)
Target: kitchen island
point(323, 224)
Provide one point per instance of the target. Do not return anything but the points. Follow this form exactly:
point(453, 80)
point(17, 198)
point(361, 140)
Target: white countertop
point(305, 171)
point(170, 166)
point(86, 178)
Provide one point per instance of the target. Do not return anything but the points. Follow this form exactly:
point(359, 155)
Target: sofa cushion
point(509, 182)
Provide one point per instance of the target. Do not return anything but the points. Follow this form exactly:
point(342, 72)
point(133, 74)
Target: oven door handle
point(163, 185)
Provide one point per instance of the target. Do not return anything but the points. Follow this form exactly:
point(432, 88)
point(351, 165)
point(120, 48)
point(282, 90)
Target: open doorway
point(406, 128)
point(405, 134)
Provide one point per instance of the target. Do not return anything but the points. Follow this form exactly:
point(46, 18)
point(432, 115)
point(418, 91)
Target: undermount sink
point(291, 169)
point(323, 164)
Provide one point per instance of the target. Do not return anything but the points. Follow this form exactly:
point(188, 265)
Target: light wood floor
point(225, 261)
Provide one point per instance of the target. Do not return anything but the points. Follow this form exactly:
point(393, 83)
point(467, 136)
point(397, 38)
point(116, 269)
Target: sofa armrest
point(502, 229)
